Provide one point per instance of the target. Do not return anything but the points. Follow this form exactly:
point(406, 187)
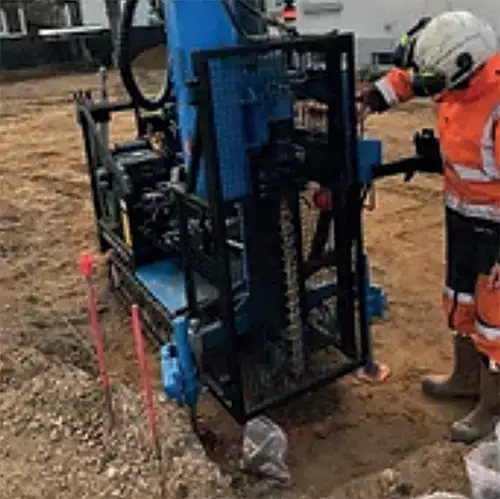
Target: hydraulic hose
point(125, 64)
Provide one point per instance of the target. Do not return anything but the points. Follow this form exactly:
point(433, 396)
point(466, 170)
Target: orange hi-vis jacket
point(468, 126)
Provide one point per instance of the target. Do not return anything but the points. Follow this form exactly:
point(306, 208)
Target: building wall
point(18, 17)
point(378, 24)
point(94, 13)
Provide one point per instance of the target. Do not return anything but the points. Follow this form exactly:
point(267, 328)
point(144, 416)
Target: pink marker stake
point(146, 378)
point(86, 265)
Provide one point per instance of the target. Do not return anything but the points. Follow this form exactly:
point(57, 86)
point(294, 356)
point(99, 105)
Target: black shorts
point(472, 248)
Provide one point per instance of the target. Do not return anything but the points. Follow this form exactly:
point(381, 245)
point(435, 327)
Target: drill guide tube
point(172, 278)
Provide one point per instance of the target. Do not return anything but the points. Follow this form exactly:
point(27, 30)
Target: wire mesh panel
point(277, 123)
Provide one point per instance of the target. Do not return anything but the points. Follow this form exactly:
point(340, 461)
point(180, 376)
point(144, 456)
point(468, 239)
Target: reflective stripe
point(469, 174)
point(387, 90)
point(481, 211)
point(488, 332)
point(488, 144)
point(460, 334)
point(462, 298)
point(494, 366)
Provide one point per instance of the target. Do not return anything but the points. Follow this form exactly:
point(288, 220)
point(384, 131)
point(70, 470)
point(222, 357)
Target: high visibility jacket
point(468, 125)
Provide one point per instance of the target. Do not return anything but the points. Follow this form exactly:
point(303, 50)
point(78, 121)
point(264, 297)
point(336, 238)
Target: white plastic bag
point(483, 468)
point(265, 446)
point(497, 436)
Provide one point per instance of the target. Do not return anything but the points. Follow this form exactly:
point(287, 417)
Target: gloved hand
point(374, 100)
point(427, 148)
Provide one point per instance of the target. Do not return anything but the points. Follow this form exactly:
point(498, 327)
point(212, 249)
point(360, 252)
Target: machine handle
point(406, 166)
point(124, 182)
point(427, 159)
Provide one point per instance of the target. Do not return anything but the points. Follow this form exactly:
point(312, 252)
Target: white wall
point(378, 24)
point(383, 18)
point(94, 13)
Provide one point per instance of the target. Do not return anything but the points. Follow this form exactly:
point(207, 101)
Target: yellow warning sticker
point(127, 233)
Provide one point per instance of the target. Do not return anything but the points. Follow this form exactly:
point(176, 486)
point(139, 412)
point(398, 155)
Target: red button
point(322, 199)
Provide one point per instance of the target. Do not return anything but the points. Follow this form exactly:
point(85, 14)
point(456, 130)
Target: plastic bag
point(483, 468)
point(497, 437)
point(265, 446)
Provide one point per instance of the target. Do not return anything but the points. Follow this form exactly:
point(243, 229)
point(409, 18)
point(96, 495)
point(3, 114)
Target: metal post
point(104, 127)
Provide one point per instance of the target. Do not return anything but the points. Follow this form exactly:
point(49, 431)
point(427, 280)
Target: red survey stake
point(86, 266)
point(145, 375)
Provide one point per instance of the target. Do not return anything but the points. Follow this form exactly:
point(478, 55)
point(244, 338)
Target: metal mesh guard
point(248, 93)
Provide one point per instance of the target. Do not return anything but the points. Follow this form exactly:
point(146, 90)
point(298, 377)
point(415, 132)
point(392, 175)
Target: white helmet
point(454, 44)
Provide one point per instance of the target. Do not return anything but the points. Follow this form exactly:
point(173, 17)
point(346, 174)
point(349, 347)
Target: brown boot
point(481, 421)
point(464, 381)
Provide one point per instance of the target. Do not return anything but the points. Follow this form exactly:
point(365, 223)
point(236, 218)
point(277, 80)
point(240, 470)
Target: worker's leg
point(480, 422)
point(458, 301)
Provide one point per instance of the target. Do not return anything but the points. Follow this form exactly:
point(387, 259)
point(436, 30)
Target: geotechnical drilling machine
point(254, 287)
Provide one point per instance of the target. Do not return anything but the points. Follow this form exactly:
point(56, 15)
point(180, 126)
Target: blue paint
point(192, 25)
point(171, 373)
point(246, 100)
point(369, 156)
point(244, 103)
point(180, 381)
point(215, 333)
point(376, 302)
point(165, 281)
point(375, 298)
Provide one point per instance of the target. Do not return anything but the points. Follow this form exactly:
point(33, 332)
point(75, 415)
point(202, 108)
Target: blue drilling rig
point(250, 288)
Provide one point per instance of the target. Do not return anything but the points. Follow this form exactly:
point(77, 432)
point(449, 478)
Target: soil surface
point(375, 440)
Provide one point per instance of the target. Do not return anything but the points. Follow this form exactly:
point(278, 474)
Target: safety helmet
point(453, 45)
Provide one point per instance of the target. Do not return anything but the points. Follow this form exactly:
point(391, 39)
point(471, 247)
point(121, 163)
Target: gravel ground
point(55, 435)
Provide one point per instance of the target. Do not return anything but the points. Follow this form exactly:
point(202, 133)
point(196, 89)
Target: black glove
point(427, 148)
point(374, 100)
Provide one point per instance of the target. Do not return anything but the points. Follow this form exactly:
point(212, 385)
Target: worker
point(454, 59)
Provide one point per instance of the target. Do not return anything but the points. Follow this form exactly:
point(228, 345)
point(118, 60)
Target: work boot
point(465, 379)
point(481, 421)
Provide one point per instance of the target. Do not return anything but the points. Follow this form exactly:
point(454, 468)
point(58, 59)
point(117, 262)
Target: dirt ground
point(388, 431)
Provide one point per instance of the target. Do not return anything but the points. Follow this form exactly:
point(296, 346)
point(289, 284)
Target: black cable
point(124, 52)
point(125, 67)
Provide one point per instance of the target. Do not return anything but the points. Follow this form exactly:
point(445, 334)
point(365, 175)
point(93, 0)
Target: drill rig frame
point(209, 234)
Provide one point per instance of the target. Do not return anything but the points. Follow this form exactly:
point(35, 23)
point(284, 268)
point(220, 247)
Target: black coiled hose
point(125, 64)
